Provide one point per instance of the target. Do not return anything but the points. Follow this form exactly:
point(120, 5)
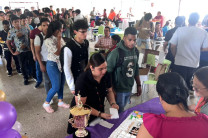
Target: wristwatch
point(112, 104)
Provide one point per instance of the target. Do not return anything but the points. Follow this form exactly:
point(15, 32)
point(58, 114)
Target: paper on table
point(105, 124)
point(95, 122)
point(114, 113)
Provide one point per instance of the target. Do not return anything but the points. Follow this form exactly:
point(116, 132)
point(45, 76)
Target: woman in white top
point(54, 43)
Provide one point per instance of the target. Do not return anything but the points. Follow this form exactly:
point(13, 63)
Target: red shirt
point(34, 32)
point(161, 19)
point(161, 126)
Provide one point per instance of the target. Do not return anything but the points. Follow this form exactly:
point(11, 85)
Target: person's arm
point(165, 46)
point(97, 45)
point(205, 43)
point(94, 111)
point(138, 82)
point(111, 98)
point(173, 49)
point(143, 133)
point(33, 49)
point(67, 69)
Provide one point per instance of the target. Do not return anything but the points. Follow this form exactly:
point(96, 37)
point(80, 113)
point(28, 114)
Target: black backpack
point(41, 39)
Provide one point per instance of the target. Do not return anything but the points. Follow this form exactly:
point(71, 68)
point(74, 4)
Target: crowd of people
point(52, 46)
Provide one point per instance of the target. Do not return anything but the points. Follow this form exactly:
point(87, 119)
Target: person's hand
point(105, 116)
point(42, 68)
point(34, 58)
point(16, 53)
point(73, 92)
point(139, 90)
point(19, 34)
point(115, 106)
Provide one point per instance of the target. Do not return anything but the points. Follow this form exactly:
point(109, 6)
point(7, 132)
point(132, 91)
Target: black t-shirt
point(170, 33)
point(95, 92)
point(168, 36)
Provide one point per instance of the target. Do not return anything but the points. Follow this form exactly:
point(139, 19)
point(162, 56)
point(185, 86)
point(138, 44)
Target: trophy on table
point(81, 114)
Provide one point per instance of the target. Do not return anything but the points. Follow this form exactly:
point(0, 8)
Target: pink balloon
point(11, 133)
point(8, 116)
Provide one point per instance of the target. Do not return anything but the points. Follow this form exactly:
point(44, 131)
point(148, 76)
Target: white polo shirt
point(189, 41)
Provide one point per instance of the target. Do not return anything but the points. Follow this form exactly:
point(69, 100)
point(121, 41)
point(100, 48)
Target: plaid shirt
point(106, 42)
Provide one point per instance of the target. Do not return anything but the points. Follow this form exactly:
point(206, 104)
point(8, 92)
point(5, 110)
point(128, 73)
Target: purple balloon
point(11, 133)
point(8, 116)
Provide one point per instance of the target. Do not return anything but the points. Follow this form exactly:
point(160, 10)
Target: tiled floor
point(36, 123)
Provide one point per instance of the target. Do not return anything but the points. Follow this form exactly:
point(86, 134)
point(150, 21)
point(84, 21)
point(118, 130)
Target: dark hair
point(29, 14)
point(193, 18)
point(130, 30)
point(80, 24)
point(6, 7)
point(44, 20)
point(5, 22)
point(26, 10)
point(14, 17)
point(36, 12)
point(108, 28)
point(42, 14)
point(65, 15)
point(201, 75)
point(52, 28)
point(77, 11)
point(18, 10)
point(23, 16)
point(95, 60)
point(2, 12)
point(117, 38)
point(167, 23)
point(46, 10)
point(147, 16)
point(157, 23)
point(173, 89)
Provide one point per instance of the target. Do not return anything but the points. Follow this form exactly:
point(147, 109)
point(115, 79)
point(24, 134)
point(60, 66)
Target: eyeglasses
point(195, 88)
point(83, 32)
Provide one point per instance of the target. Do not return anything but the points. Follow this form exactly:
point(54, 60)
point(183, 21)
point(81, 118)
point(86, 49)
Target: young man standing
point(7, 53)
point(41, 52)
point(74, 56)
point(123, 64)
point(33, 33)
point(20, 36)
point(186, 45)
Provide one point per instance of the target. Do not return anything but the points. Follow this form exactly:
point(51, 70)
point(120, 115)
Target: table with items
point(128, 123)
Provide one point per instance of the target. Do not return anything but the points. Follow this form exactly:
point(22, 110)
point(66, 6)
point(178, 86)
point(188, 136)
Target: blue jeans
point(147, 42)
point(57, 79)
point(122, 99)
point(38, 72)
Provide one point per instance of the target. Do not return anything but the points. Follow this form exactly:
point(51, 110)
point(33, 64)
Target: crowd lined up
point(52, 47)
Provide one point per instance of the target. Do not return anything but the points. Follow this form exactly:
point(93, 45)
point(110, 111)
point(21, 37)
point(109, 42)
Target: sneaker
point(9, 74)
point(19, 72)
point(26, 82)
point(48, 109)
point(64, 105)
point(35, 79)
point(37, 85)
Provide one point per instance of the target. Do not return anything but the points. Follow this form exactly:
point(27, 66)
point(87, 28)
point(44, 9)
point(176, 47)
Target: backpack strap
point(41, 39)
point(120, 60)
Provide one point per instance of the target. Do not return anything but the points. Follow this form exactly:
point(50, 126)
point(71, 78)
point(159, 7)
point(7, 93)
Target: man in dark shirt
point(179, 22)
point(7, 53)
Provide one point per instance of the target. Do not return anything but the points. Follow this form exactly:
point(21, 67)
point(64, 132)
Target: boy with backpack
point(123, 64)
point(41, 51)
